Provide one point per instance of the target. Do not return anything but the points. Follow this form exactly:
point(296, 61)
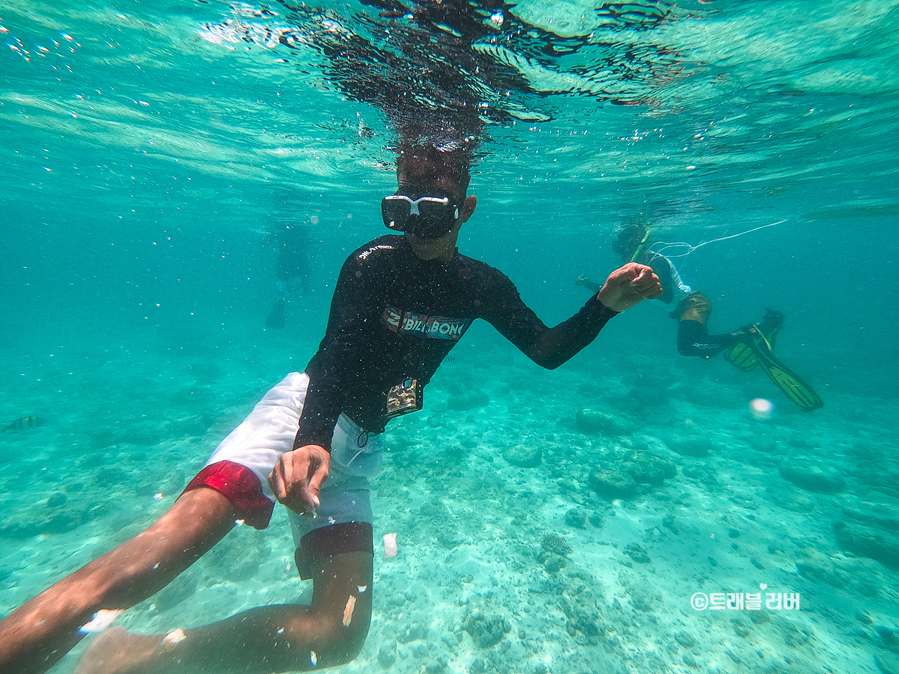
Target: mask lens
point(434, 219)
point(395, 213)
point(427, 217)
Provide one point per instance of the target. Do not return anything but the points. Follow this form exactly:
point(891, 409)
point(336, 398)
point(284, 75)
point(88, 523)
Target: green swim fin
point(786, 380)
point(741, 356)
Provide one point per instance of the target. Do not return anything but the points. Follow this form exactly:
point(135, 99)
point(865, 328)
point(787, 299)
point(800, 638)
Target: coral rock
point(596, 422)
point(524, 456)
point(486, 630)
point(814, 477)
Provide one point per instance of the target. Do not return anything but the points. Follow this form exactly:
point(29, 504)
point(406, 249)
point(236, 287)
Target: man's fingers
point(642, 275)
point(312, 485)
point(623, 274)
point(276, 482)
point(649, 287)
point(282, 477)
point(315, 484)
point(632, 273)
point(297, 478)
point(646, 282)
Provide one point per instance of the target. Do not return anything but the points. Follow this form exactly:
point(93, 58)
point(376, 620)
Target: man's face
point(421, 177)
point(441, 248)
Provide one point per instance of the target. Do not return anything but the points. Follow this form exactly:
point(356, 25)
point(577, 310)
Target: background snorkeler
point(745, 348)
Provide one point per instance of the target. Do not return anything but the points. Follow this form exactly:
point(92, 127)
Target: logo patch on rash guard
point(421, 325)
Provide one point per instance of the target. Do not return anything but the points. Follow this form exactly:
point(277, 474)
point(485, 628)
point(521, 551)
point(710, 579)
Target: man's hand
point(628, 286)
point(298, 477)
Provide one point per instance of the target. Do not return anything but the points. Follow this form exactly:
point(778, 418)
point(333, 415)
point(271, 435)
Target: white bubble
point(313, 219)
point(761, 408)
point(390, 548)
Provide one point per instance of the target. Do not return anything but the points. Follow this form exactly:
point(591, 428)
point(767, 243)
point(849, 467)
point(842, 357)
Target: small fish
point(23, 424)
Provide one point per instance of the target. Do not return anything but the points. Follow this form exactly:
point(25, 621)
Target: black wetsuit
point(394, 318)
point(693, 338)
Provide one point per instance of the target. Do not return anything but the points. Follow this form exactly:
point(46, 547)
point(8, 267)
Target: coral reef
point(485, 629)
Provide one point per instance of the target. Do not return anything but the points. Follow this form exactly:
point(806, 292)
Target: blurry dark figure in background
point(745, 348)
point(292, 244)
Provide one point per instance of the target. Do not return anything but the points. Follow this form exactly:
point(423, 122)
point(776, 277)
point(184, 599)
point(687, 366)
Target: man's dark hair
point(453, 158)
point(630, 237)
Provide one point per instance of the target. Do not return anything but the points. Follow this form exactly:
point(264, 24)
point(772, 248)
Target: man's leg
point(693, 338)
point(336, 556)
point(39, 633)
point(269, 639)
point(231, 486)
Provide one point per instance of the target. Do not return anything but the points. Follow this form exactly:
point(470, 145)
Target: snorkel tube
point(641, 246)
point(632, 241)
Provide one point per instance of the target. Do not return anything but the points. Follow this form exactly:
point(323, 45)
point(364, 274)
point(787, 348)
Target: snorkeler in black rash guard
point(401, 303)
point(395, 317)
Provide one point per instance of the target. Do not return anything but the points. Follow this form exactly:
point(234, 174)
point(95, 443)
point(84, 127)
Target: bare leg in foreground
point(37, 634)
point(270, 639)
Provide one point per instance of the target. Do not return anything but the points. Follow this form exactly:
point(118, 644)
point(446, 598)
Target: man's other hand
point(628, 286)
point(298, 477)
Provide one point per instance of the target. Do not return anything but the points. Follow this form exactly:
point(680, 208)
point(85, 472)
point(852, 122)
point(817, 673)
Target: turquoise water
point(148, 151)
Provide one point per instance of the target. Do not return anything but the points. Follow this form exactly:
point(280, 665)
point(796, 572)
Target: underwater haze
point(155, 153)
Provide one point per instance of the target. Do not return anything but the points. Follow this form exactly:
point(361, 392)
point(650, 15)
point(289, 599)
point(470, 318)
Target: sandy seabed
point(531, 538)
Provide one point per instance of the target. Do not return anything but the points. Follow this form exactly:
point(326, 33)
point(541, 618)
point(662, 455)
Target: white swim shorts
point(240, 466)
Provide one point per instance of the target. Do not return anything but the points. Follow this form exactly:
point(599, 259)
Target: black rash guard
point(395, 317)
